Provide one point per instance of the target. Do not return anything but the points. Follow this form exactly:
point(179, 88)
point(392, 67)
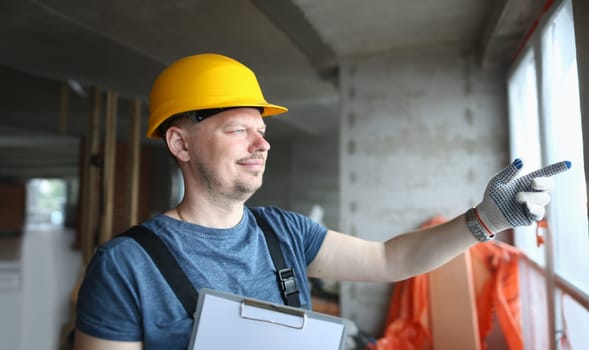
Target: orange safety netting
point(496, 284)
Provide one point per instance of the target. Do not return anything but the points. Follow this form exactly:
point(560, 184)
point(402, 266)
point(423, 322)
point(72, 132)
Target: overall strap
point(285, 275)
point(168, 266)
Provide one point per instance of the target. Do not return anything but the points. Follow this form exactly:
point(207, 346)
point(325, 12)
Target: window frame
point(556, 285)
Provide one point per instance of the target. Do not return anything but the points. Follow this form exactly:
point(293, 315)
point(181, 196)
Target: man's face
point(228, 153)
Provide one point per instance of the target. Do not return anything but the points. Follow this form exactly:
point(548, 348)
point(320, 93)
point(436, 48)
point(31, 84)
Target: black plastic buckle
point(288, 282)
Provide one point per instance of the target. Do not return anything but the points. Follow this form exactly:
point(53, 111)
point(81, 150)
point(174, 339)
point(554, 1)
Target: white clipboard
point(224, 321)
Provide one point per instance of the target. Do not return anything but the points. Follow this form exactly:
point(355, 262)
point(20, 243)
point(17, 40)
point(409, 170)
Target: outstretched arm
point(508, 202)
point(344, 257)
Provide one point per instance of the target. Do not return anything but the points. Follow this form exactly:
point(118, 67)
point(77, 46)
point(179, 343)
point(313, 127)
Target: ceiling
point(294, 46)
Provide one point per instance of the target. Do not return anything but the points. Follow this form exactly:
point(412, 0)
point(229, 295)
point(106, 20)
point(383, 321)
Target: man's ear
point(177, 145)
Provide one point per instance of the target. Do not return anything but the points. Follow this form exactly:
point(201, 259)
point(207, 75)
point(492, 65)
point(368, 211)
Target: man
point(209, 110)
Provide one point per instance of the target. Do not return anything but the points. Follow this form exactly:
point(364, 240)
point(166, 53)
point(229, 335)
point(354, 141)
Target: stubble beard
point(240, 191)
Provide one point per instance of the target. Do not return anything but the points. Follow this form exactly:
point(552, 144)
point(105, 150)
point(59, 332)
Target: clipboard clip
point(295, 312)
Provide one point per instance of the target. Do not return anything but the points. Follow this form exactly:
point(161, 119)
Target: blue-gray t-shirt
point(124, 297)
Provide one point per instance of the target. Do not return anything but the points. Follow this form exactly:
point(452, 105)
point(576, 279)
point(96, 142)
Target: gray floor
point(38, 271)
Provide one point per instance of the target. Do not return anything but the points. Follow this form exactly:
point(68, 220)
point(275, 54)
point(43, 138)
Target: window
point(545, 127)
point(563, 140)
point(525, 136)
point(46, 202)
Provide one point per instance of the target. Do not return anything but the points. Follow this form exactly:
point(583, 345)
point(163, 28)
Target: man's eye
point(262, 132)
point(238, 131)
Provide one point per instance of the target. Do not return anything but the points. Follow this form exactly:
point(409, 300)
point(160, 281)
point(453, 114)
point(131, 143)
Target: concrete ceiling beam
point(505, 30)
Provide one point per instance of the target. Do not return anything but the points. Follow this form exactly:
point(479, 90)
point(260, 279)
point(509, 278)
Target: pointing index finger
point(551, 170)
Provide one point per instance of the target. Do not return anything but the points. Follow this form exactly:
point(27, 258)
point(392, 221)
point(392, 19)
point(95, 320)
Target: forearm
point(426, 249)
point(343, 257)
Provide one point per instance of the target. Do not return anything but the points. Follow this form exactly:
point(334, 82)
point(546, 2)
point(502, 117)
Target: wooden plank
point(579, 296)
point(90, 179)
point(12, 208)
point(453, 305)
point(134, 158)
point(108, 180)
point(550, 287)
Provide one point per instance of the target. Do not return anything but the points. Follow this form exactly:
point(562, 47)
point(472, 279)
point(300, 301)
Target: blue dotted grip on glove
point(500, 209)
point(503, 188)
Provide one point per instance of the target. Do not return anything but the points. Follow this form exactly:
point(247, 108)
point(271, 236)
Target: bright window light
point(545, 127)
point(525, 137)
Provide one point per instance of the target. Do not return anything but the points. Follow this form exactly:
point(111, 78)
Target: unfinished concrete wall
point(315, 170)
point(303, 172)
point(421, 134)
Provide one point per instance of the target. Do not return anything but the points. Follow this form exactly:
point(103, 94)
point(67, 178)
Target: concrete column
point(421, 134)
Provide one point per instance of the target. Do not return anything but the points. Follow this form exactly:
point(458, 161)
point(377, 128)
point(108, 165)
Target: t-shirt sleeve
point(314, 237)
point(107, 307)
point(303, 231)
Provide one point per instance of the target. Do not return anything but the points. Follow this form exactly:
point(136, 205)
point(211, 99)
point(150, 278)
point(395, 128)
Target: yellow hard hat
point(204, 81)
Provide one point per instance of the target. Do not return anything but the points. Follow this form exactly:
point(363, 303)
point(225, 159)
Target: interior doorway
point(46, 203)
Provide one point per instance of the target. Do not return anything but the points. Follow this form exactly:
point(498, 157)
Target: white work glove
point(509, 202)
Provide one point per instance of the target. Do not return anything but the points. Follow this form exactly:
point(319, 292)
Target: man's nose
point(259, 144)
